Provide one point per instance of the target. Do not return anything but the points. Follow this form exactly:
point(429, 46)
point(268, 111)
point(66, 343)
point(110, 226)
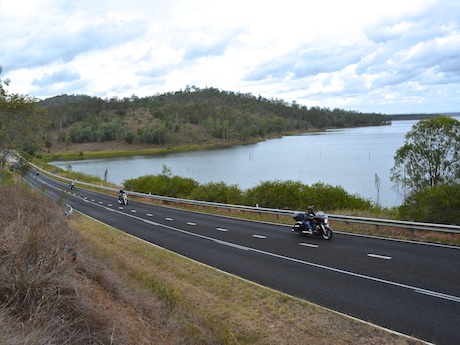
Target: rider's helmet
point(310, 209)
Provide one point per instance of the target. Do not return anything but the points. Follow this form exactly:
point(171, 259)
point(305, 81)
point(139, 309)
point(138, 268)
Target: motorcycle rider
point(120, 194)
point(309, 218)
point(72, 185)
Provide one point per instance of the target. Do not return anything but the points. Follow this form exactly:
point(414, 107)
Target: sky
point(390, 57)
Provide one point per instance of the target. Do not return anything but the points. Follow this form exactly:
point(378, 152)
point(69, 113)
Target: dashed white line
point(191, 223)
point(168, 218)
point(309, 245)
point(133, 211)
point(379, 256)
point(149, 215)
point(221, 229)
point(259, 236)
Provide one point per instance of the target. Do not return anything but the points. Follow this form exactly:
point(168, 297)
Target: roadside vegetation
point(290, 195)
point(78, 281)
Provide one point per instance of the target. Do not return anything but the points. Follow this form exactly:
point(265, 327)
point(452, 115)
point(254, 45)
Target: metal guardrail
point(453, 229)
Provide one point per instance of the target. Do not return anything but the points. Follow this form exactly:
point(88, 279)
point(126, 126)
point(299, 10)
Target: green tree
point(22, 122)
point(429, 156)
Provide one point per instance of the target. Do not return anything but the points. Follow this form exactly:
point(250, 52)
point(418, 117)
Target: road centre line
point(307, 263)
point(379, 256)
point(259, 236)
point(221, 229)
point(309, 245)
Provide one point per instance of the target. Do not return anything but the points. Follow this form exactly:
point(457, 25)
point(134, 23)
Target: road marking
point(109, 205)
point(307, 263)
point(191, 223)
point(309, 245)
point(101, 203)
point(150, 222)
point(133, 211)
point(259, 236)
point(169, 219)
point(379, 256)
point(437, 294)
point(149, 215)
point(222, 229)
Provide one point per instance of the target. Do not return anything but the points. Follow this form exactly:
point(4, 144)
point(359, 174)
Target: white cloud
point(391, 56)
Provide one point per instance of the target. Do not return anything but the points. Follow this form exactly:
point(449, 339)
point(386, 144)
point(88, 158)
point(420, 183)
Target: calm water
point(350, 158)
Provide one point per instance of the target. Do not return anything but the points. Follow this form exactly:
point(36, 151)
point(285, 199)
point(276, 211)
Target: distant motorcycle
point(122, 198)
point(71, 185)
point(319, 222)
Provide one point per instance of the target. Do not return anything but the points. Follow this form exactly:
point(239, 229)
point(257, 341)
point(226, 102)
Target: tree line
point(191, 115)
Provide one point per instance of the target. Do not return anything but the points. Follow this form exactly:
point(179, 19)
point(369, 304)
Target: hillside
point(188, 117)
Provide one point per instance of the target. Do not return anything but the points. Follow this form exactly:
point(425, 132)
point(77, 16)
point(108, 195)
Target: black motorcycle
point(319, 223)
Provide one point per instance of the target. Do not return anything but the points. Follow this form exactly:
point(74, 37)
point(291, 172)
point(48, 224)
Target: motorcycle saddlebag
point(299, 216)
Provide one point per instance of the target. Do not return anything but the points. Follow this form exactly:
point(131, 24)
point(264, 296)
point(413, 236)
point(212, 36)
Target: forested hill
point(192, 115)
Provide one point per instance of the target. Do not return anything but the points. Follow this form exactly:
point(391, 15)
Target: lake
point(351, 158)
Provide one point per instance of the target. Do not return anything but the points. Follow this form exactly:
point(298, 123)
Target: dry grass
point(79, 281)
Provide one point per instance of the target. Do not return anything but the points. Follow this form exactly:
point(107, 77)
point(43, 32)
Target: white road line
point(149, 215)
point(191, 223)
point(168, 218)
point(133, 211)
point(259, 236)
point(379, 256)
point(109, 205)
point(309, 245)
point(221, 229)
point(437, 294)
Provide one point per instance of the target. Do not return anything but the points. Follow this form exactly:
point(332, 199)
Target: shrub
point(218, 192)
point(290, 195)
point(439, 204)
point(276, 194)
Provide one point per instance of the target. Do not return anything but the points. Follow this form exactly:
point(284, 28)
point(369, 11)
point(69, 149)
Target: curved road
point(407, 287)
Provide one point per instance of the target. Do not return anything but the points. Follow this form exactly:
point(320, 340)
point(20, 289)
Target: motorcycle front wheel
point(327, 233)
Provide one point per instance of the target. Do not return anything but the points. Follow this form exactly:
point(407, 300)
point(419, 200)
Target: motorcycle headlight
point(325, 221)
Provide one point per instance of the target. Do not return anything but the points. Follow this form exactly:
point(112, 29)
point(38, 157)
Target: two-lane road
point(408, 287)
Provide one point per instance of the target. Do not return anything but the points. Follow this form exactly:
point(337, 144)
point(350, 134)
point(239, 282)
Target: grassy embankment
point(79, 281)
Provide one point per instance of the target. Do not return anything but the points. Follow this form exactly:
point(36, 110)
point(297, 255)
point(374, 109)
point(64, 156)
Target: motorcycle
point(319, 222)
point(123, 198)
point(71, 186)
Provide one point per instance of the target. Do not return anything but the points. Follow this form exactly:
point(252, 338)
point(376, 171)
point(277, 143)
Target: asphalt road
point(408, 287)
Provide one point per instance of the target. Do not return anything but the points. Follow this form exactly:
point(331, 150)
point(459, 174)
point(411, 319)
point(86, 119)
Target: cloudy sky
point(392, 56)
